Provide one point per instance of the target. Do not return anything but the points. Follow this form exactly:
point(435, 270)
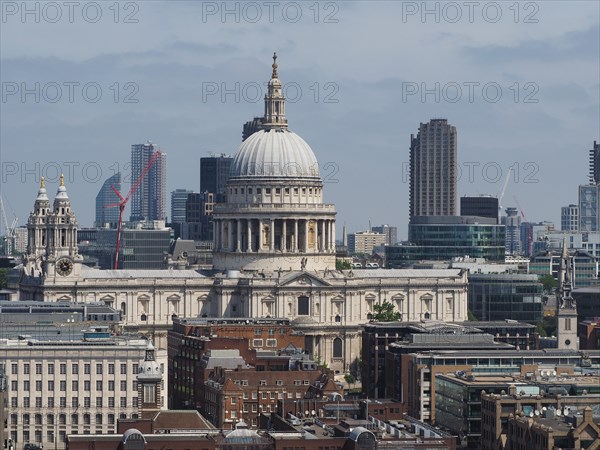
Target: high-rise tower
point(595, 163)
point(433, 170)
point(106, 196)
point(149, 202)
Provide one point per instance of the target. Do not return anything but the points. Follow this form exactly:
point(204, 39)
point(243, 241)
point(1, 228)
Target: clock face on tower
point(64, 266)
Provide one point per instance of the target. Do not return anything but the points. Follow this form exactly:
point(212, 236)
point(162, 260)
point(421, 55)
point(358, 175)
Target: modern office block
point(106, 215)
point(179, 198)
point(506, 296)
point(481, 206)
point(569, 218)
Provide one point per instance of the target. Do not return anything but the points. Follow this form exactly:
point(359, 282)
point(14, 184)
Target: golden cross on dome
point(42, 183)
point(62, 179)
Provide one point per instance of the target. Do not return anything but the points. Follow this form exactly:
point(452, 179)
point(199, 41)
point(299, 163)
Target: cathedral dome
point(275, 152)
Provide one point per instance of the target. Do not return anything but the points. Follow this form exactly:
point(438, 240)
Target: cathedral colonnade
point(295, 235)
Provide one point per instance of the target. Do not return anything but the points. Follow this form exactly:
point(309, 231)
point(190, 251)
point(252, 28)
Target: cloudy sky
point(81, 82)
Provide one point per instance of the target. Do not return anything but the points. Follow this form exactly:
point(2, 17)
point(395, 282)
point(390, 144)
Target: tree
point(548, 282)
point(384, 312)
point(349, 378)
point(471, 317)
point(547, 327)
point(340, 264)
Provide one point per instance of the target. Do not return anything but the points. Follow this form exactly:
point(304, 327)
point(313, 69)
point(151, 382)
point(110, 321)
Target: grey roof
point(406, 273)
point(88, 272)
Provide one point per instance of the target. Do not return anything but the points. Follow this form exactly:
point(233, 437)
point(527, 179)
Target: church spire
point(274, 101)
point(564, 278)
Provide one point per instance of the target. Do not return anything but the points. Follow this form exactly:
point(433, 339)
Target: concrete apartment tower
point(433, 170)
point(149, 201)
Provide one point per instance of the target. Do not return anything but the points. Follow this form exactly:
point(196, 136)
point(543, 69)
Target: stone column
point(323, 242)
point(216, 234)
point(238, 247)
point(260, 235)
point(249, 240)
point(231, 242)
point(333, 236)
point(272, 236)
point(222, 236)
point(295, 241)
point(283, 236)
point(305, 243)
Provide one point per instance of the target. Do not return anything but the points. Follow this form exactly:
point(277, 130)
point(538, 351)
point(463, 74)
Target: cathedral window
point(303, 306)
point(337, 348)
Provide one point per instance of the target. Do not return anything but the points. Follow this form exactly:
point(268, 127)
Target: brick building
point(242, 393)
point(191, 339)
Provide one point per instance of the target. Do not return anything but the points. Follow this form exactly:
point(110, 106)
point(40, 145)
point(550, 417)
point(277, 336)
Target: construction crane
point(9, 231)
point(123, 202)
point(501, 193)
point(520, 209)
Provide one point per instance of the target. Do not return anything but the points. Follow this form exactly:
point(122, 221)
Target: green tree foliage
point(384, 312)
point(471, 317)
point(547, 327)
point(548, 282)
point(349, 378)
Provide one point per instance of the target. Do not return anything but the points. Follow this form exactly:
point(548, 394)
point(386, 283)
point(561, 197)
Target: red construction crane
point(123, 202)
point(520, 209)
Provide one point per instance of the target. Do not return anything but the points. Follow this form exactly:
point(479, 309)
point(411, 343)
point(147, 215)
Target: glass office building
point(108, 216)
point(506, 296)
point(442, 238)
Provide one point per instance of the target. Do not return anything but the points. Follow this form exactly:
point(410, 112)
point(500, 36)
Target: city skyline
point(545, 141)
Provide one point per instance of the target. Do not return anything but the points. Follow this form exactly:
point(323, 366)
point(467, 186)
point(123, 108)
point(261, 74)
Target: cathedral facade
point(274, 257)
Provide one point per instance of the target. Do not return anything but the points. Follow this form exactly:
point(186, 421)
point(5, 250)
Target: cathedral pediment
point(303, 279)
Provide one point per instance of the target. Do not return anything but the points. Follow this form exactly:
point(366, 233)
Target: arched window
point(123, 308)
point(74, 419)
point(143, 317)
point(337, 348)
point(98, 419)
